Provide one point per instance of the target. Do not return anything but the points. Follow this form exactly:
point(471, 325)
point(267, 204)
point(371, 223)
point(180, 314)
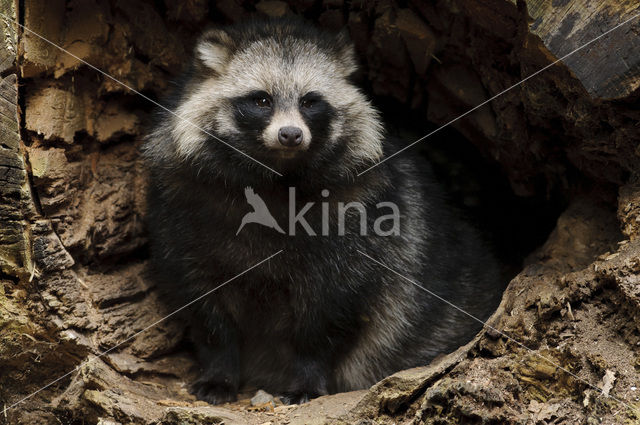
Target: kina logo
point(260, 213)
point(383, 225)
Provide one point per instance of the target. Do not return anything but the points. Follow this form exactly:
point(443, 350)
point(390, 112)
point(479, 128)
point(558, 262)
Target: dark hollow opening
point(477, 185)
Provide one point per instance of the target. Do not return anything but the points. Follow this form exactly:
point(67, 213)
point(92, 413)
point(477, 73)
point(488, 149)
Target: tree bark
point(73, 245)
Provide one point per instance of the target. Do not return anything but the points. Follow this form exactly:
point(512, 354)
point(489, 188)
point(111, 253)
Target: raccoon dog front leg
point(313, 344)
point(217, 349)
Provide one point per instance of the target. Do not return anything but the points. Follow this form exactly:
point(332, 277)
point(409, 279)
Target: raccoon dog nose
point(290, 136)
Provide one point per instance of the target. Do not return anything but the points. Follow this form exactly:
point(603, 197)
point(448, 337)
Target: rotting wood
point(16, 206)
point(608, 68)
point(90, 294)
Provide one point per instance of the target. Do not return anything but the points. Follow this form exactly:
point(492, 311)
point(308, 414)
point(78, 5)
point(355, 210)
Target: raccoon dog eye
point(262, 102)
point(311, 100)
point(307, 103)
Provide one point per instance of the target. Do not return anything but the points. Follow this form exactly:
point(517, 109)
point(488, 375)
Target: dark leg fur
point(217, 351)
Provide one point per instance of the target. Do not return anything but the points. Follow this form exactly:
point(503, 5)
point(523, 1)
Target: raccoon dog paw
point(310, 382)
point(214, 391)
point(296, 398)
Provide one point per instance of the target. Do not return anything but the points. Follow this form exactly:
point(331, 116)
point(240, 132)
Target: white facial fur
point(291, 70)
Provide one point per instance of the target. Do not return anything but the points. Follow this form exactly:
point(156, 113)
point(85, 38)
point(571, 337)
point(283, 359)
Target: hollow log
point(76, 344)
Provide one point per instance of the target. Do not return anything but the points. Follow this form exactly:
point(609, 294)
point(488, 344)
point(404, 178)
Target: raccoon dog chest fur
point(319, 317)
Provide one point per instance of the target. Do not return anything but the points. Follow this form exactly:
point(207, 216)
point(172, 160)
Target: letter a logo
point(260, 213)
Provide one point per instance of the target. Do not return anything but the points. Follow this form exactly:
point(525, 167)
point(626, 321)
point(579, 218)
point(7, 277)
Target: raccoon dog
point(319, 317)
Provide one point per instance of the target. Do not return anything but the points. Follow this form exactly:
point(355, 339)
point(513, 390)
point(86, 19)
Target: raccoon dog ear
point(214, 48)
point(346, 53)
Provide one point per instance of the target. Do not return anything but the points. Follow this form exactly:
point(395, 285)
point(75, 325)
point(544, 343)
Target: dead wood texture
point(73, 247)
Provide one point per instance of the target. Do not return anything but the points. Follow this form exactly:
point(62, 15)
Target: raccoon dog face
point(278, 91)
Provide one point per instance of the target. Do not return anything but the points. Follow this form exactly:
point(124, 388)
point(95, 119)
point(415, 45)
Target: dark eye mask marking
point(253, 111)
point(317, 114)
